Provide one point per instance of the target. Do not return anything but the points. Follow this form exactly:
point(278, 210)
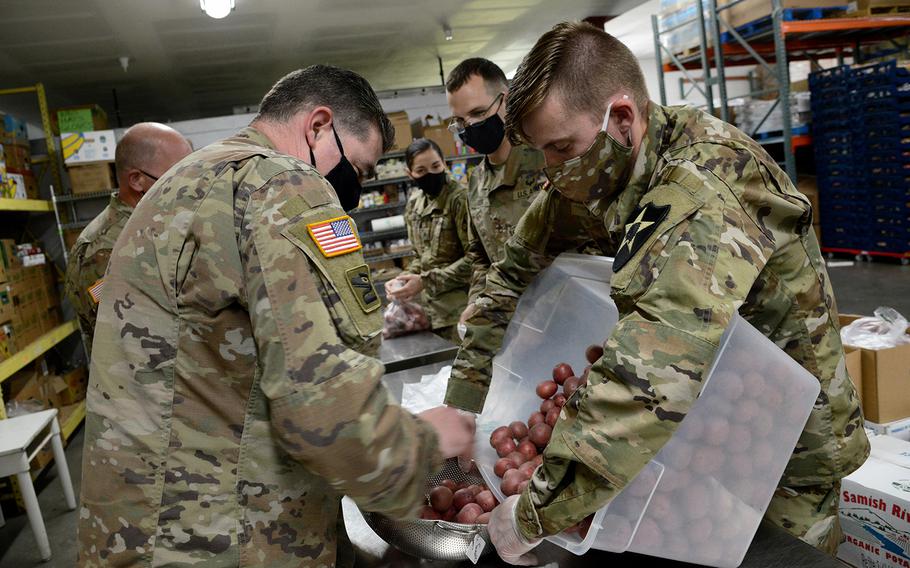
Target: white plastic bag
point(402, 318)
point(886, 329)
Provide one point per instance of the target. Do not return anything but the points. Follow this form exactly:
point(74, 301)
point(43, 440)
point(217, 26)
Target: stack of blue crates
point(861, 130)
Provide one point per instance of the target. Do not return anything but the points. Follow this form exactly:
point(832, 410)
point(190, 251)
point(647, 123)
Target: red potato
point(528, 449)
point(540, 435)
point(707, 460)
point(553, 417)
point(461, 498)
point(468, 515)
point(547, 389)
point(562, 372)
point(502, 466)
point(450, 515)
point(536, 418)
point(753, 384)
point(717, 430)
point(441, 499)
point(505, 448)
point(748, 410)
point(427, 513)
point(763, 424)
point(482, 519)
point(538, 460)
point(500, 435)
point(519, 429)
point(559, 400)
point(570, 386)
point(729, 385)
point(584, 374)
point(522, 486)
point(593, 353)
point(449, 483)
point(517, 458)
point(649, 533)
point(695, 501)
point(510, 482)
point(527, 469)
point(547, 406)
point(476, 489)
point(486, 500)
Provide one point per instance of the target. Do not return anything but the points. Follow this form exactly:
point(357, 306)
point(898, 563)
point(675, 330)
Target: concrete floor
point(859, 290)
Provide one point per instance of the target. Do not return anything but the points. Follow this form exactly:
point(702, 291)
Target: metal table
point(415, 350)
point(772, 547)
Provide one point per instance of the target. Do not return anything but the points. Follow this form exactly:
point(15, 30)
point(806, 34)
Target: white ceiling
point(184, 64)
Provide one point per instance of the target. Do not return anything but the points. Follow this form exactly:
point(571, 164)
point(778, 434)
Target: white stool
point(16, 435)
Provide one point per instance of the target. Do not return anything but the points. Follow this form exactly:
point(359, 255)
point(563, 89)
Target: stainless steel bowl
point(435, 540)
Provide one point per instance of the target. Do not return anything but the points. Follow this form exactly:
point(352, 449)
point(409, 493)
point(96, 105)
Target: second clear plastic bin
point(703, 495)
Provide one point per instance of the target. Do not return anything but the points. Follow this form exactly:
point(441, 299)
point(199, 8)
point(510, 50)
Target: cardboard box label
point(85, 147)
point(75, 120)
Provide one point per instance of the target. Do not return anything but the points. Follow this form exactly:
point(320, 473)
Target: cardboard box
point(76, 382)
point(751, 10)
point(14, 131)
point(88, 147)
point(874, 507)
point(79, 118)
point(899, 429)
point(885, 376)
point(441, 135)
point(10, 258)
point(91, 178)
point(402, 126)
point(854, 360)
point(17, 157)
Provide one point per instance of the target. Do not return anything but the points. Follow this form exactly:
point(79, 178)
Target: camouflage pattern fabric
point(497, 198)
point(230, 406)
point(810, 514)
point(438, 229)
point(88, 262)
point(735, 236)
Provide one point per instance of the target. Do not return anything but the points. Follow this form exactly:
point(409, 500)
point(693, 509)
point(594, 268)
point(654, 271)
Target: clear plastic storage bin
point(702, 497)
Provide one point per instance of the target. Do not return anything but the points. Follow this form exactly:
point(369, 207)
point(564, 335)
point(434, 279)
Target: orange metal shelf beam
point(843, 24)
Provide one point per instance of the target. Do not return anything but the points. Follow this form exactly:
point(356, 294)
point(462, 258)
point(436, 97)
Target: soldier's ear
point(318, 123)
point(134, 179)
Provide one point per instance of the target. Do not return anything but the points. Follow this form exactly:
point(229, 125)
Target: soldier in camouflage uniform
point(230, 403)
point(144, 153)
point(702, 223)
point(502, 186)
point(437, 219)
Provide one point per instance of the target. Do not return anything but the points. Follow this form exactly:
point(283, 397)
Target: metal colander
point(434, 540)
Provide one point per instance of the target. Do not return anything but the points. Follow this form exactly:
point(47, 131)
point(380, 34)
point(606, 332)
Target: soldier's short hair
point(419, 146)
point(351, 98)
point(584, 64)
point(493, 77)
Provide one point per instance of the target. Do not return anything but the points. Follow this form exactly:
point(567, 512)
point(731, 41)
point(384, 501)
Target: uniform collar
point(118, 206)
point(253, 136)
point(507, 172)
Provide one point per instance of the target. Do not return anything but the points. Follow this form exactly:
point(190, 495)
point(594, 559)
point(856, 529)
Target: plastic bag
point(16, 408)
point(886, 329)
point(402, 318)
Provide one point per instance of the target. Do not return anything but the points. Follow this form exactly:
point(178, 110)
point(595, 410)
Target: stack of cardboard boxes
point(88, 147)
point(17, 181)
point(29, 302)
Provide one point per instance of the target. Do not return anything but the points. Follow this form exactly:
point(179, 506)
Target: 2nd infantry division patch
point(335, 237)
point(95, 290)
point(642, 225)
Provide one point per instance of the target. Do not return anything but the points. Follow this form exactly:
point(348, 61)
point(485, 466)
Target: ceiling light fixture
point(217, 8)
point(447, 31)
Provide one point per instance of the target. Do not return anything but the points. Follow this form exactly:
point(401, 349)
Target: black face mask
point(484, 136)
point(343, 178)
point(431, 183)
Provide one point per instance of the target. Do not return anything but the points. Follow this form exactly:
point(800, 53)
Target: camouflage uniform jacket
point(229, 407)
point(438, 229)
point(88, 262)
point(730, 232)
point(497, 198)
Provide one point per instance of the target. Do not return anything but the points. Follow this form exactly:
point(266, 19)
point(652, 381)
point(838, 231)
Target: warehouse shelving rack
point(55, 336)
point(773, 46)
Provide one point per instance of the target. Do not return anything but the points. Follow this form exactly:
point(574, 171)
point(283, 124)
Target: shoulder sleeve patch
point(95, 290)
point(335, 237)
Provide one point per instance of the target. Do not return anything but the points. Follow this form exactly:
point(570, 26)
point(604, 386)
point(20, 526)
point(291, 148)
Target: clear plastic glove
point(405, 287)
point(454, 430)
point(503, 529)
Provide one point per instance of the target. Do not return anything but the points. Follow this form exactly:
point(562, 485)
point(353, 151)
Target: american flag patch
point(335, 237)
point(95, 290)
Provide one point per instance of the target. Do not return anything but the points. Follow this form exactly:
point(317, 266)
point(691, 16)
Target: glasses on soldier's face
point(145, 173)
point(458, 124)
